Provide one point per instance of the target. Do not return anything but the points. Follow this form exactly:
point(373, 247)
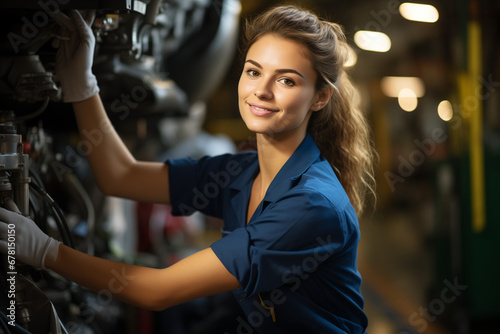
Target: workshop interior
point(167, 70)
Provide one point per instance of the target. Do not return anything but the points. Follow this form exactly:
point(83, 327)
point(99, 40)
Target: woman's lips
point(261, 110)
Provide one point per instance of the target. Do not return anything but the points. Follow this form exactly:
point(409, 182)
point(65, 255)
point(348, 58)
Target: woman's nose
point(263, 90)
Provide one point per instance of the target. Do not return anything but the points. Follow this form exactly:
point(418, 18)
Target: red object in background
point(150, 213)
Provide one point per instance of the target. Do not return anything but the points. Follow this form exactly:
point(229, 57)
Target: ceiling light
point(445, 110)
point(407, 99)
point(392, 86)
point(372, 41)
point(419, 12)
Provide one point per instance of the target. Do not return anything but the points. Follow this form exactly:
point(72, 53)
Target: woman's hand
point(30, 245)
point(75, 56)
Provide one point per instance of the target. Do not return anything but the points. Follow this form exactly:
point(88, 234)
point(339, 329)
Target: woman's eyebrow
point(281, 70)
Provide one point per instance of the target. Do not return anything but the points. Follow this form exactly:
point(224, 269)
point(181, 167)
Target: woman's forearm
point(116, 171)
point(107, 154)
point(121, 281)
point(201, 274)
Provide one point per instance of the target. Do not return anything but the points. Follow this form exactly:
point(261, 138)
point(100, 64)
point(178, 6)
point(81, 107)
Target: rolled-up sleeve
point(292, 236)
point(181, 173)
point(201, 184)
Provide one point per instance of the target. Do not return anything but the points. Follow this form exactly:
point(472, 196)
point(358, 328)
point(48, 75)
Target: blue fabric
point(298, 251)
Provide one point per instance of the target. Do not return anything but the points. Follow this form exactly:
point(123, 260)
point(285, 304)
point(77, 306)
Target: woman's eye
point(252, 73)
point(287, 81)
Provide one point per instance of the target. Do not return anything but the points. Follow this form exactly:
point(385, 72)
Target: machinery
point(153, 59)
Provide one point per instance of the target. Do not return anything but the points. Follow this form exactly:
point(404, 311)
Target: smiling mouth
point(262, 109)
point(259, 111)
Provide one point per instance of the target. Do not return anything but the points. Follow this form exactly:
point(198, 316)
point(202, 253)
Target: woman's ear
point(322, 98)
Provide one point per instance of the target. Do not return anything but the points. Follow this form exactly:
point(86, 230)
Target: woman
point(290, 229)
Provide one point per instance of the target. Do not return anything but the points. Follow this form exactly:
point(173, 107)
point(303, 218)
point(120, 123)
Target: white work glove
point(75, 56)
point(32, 246)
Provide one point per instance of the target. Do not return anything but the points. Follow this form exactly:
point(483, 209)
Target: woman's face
point(277, 87)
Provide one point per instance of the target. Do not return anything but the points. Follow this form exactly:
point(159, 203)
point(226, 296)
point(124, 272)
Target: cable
point(61, 223)
point(3, 325)
point(16, 329)
point(35, 113)
point(75, 186)
point(34, 174)
point(60, 220)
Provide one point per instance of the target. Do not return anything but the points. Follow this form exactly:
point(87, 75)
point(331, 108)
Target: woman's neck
point(273, 152)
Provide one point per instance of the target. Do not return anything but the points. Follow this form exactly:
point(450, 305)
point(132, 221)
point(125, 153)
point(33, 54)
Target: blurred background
point(430, 84)
point(168, 72)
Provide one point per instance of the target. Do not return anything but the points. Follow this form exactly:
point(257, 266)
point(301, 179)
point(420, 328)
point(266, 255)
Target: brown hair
point(339, 129)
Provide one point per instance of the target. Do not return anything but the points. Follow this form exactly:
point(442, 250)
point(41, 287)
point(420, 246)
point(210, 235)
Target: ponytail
point(342, 134)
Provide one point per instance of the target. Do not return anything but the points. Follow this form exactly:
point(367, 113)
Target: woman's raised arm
point(116, 171)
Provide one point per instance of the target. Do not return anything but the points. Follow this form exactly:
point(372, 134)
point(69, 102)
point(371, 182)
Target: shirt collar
point(294, 167)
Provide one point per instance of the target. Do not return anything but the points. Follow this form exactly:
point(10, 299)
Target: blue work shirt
point(296, 260)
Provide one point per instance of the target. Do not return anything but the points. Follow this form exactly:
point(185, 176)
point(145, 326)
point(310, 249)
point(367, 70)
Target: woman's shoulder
point(312, 209)
point(319, 181)
point(320, 189)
